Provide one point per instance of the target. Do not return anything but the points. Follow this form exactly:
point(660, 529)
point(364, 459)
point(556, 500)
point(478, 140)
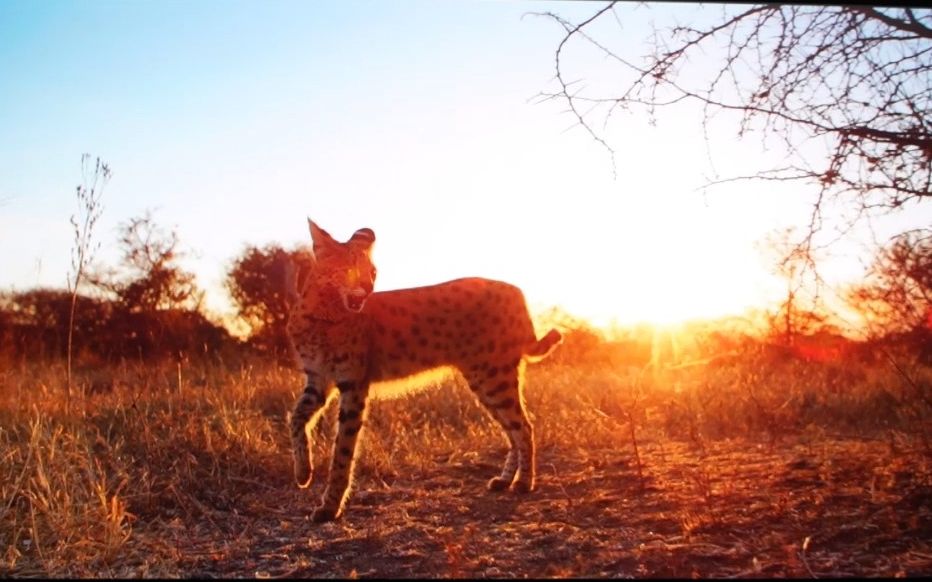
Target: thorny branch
point(855, 79)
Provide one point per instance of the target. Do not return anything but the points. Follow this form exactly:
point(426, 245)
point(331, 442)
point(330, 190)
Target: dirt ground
point(729, 509)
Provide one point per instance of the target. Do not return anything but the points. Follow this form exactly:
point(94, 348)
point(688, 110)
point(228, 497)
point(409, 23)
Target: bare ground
point(837, 507)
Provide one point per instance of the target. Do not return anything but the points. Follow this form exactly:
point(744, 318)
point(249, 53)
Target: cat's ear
point(320, 237)
point(363, 238)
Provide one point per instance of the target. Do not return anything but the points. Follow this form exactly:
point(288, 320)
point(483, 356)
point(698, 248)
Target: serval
point(359, 342)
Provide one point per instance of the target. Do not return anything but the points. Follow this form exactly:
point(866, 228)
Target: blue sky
point(235, 120)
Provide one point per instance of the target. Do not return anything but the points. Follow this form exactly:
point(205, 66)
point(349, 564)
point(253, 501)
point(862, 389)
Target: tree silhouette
point(897, 293)
point(798, 313)
point(156, 304)
point(261, 284)
point(856, 78)
point(149, 277)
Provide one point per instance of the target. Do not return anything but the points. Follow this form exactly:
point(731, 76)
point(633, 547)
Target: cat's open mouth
point(355, 300)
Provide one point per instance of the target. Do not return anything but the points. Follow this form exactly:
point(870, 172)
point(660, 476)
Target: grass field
point(750, 466)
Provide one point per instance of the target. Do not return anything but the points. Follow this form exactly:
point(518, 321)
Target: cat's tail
point(541, 348)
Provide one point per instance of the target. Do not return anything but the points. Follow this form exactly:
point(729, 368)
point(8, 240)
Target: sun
point(663, 283)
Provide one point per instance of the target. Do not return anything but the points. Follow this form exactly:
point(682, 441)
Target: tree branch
point(914, 25)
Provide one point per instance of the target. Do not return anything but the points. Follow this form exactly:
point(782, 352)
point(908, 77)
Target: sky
point(233, 121)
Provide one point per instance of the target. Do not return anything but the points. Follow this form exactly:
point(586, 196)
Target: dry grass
point(744, 468)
